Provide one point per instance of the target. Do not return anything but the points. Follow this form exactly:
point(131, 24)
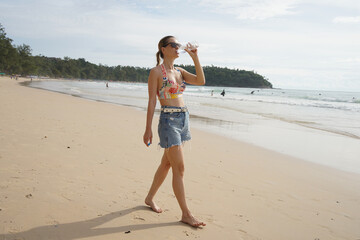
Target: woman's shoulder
point(155, 73)
point(156, 70)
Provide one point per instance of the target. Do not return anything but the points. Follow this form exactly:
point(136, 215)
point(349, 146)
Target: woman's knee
point(165, 162)
point(166, 165)
point(178, 169)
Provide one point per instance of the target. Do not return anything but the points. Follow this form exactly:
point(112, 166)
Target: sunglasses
point(173, 44)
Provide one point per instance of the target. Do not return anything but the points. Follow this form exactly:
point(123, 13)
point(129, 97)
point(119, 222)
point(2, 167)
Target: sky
point(295, 44)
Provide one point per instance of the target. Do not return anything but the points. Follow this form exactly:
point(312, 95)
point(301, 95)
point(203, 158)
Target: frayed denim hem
point(175, 144)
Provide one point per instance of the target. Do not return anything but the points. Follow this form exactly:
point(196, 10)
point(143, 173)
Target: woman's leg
point(159, 178)
point(176, 158)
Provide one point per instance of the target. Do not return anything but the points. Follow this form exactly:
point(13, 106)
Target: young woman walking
point(168, 84)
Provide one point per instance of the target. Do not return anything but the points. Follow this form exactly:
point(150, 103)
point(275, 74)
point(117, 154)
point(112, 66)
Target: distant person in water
point(107, 84)
point(223, 93)
point(212, 92)
point(167, 82)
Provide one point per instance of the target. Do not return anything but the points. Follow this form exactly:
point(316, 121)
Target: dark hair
point(162, 43)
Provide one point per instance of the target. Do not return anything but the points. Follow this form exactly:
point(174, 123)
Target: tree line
point(19, 60)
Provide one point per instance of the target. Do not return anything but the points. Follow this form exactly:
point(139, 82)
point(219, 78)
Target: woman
point(168, 83)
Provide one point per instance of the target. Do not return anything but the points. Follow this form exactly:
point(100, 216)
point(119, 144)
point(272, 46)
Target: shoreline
point(73, 168)
point(308, 144)
point(202, 118)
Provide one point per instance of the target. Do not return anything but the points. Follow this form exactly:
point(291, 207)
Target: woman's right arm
point(152, 89)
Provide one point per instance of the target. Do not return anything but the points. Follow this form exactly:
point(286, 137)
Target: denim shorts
point(173, 128)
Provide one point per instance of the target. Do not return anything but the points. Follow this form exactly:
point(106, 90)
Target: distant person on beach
point(168, 84)
point(223, 93)
point(107, 84)
point(212, 92)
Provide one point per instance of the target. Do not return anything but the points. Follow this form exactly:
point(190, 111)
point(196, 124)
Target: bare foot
point(192, 221)
point(153, 206)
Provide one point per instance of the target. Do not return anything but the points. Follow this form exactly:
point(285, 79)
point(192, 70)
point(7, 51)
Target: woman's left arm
point(199, 78)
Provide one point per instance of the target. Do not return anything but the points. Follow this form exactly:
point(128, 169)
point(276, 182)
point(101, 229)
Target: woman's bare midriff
point(175, 102)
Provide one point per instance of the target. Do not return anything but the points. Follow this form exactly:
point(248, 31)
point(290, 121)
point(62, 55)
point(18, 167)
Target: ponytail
point(158, 58)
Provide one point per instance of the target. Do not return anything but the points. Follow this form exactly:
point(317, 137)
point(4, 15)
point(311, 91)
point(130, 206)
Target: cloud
point(343, 4)
point(251, 9)
point(347, 19)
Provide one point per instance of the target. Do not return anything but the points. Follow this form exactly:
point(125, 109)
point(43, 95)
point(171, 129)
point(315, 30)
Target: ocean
point(317, 126)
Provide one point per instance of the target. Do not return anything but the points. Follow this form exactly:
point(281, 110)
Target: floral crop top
point(170, 88)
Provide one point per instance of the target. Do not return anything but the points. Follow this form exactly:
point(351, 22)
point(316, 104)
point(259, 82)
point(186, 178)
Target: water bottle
point(189, 46)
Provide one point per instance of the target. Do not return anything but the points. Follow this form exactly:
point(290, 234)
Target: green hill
point(18, 60)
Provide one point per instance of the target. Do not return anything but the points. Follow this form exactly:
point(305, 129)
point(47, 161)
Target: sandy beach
point(72, 168)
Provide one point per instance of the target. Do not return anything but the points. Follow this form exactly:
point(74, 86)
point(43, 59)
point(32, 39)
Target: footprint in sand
point(190, 233)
